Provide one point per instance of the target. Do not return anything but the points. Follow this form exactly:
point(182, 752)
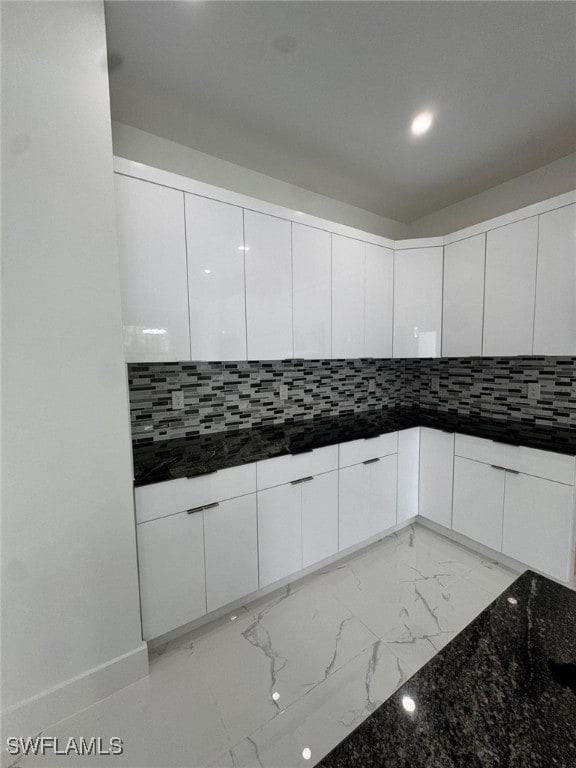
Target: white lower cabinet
point(478, 505)
point(408, 473)
point(231, 550)
point(436, 476)
point(367, 500)
point(319, 518)
point(172, 574)
point(279, 532)
point(515, 500)
point(538, 523)
point(297, 525)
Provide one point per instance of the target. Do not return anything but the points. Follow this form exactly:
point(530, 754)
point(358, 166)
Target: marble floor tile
point(276, 656)
point(297, 669)
point(325, 715)
point(169, 719)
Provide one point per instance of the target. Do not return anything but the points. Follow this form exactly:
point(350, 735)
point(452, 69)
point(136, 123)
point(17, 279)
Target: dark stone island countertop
point(502, 694)
point(197, 455)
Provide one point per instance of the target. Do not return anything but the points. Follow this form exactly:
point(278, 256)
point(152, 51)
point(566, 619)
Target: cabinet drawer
point(357, 451)
point(285, 469)
point(172, 496)
point(530, 461)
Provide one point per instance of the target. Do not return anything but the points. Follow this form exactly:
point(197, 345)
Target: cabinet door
point(436, 475)
point(555, 321)
point(463, 297)
point(509, 289)
point(171, 567)
point(538, 522)
point(347, 297)
point(478, 504)
point(418, 302)
point(354, 506)
point(215, 245)
point(152, 248)
point(268, 286)
point(379, 301)
point(381, 480)
point(319, 518)
point(311, 269)
point(279, 532)
point(408, 473)
point(231, 546)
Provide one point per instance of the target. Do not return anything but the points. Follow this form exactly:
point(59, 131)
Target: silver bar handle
point(301, 480)
point(205, 506)
point(505, 469)
point(371, 461)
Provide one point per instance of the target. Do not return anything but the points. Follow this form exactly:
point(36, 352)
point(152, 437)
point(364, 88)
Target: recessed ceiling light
point(421, 123)
point(306, 753)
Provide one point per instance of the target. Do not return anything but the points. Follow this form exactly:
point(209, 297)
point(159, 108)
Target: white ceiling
point(321, 94)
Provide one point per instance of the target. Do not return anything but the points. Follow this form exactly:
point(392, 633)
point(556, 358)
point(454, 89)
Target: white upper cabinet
point(555, 321)
point(312, 302)
point(510, 288)
point(152, 248)
point(215, 245)
point(379, 300)
point(418, 302)
point(463, 297)
point(267, 242)
point(348, 297)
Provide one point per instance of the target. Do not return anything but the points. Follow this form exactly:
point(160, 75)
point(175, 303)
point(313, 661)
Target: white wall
point(550, 180)
point(142, 147)
point(69, 575)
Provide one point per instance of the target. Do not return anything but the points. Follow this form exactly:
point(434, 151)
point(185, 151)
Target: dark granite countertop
point(188, 457)
point(502, 694)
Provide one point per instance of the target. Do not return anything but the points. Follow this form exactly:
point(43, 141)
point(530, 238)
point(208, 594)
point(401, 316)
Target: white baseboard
point(29, 717)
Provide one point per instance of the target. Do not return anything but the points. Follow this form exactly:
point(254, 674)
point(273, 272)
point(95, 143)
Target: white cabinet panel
point(319, 518)
point(436, 475)
point(510, 288)
point(463, 297)
point(279, 532)
point(367, 500)
point(285, 469)
point(152, 248)
point(268, 257)
point(408, 473)
point(354, 507)
point(418, 302)
point(379, 301)
point(538, 524)
point(555, 321)
point(530, 461)
point(171, 567)
point(382, 480)
point(478, 504)
point(167, 498)
point(356, 451)
point(231, 547)
point(348, 299)
point(312, 301)
point(215, 246)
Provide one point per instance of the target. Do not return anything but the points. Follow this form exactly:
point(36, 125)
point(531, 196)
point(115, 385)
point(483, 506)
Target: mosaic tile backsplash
point(221, 396)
